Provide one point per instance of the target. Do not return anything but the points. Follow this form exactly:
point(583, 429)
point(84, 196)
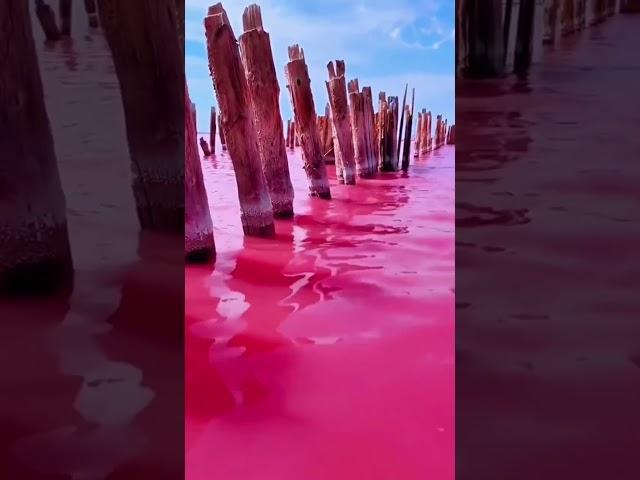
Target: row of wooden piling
point(483, 30)
point(35, 250)
point(47, 18)
point(349, 133)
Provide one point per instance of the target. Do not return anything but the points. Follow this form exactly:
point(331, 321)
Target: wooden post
point(356, 109)
point(149, 63)
point(325, 134)
point(629, 6)
point(47, 20)
point(223, 142)
point(407, 133)
point(551, 9)
point(34, 244)
point(264, 93)
point(390, 159)
point(369, 131)
point(64, 7)
point(567, 18)
point(288, 138)
point(195, 118)
point(416, 147)
point(524, 37)
point(299, 86)
point(235, 111)
point(296, 136)
point(425, 133)
point(212, 130)
point(92, 13)
point(205, 147)
point(482, 36)
point(198, 229)
point(342, 133)
point(381, 127)
point(402, 112)
point(452, 135)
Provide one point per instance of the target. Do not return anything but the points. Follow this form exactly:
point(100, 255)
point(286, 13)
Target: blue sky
point(384, 43)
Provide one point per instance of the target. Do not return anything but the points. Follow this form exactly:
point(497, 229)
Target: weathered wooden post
point(567, 18)
point(299, 86)
point(369, 131)
point(195, 118)
point(237, 123)
point(205, 147)
point(524, 37)
point(451, 140)
point(296, 135)
point(325, 133)
point(264, 93)
point(390, 158)
point(141, 41)
point(288, 138)
point(198, 229)
point(551, 9)
point(381, 127)
point(629, 6)
point(223, 142)
point(407, 133)
point(425, 134)
point(416, 147)
point(47, 20)
point(482, 36)
point(402, 112)
point(292, 134)
point(34, 244)
point(581, 10)
point(343, 136)
point(64, 7)
point(356, 109)
point(92, 13)
point(212, 129)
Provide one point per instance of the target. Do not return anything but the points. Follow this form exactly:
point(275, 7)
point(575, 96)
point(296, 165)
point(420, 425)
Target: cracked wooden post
point(407, 134)
point(223, 142)
point(236, 116)
point(402, 112)
point(326, 136)
point(356, 109)
point(296, 136)
point(212, 130)
point(64, 7)
point(47, 19)
point(629, 6)
point(567, 17)
point(198, 229)
point(381, 127)
point(153, 104)
point(92, 13)
point(369, 131)
point(416, 147)
point(34, 243)
point(205, 147)
point(482, 37)
point(288, 137)
point(550, 19)
point(299, 86)
point(195, 118)
point(451, 138)
point(524, 37)
point(343, 136)
point(264, 94)
point(425, 134)
point(390, 160)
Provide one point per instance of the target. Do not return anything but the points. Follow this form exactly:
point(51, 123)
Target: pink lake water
point(328, 351)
